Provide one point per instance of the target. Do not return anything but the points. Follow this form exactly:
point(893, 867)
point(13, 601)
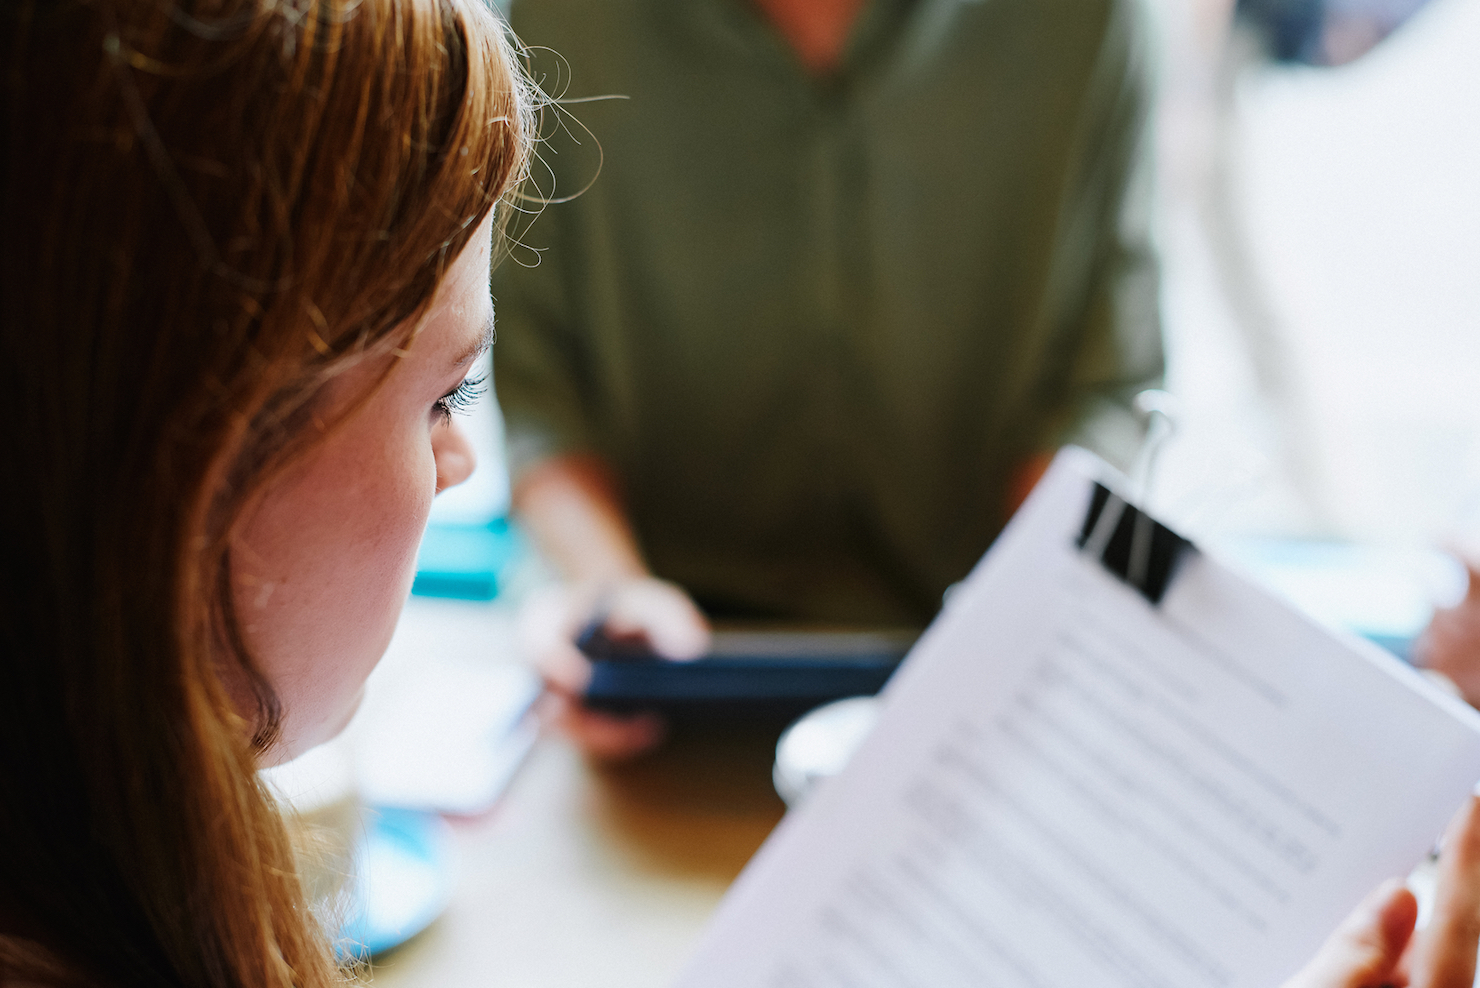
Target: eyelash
point(462, 398)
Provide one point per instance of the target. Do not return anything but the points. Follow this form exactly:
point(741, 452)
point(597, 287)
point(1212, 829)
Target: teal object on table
point(403, 881)
point(466, 562)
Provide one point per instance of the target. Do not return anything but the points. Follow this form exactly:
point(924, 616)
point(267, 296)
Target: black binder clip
point(1133, 546)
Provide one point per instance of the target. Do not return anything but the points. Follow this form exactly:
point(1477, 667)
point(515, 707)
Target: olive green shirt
point(815, 324)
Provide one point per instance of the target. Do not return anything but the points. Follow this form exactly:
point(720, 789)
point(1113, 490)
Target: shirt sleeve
point(1111, 326)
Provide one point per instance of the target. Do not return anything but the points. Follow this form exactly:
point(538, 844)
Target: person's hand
point(1451, 643)
point(1376, 945)
point(647, 608)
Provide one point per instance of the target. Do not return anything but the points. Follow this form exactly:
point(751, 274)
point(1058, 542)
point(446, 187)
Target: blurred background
point(1319, 221)
point(1319, 226)
point(1320, 229)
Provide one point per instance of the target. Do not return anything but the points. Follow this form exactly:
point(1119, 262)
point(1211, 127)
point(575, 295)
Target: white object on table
point(819, 745)
point(447, 717)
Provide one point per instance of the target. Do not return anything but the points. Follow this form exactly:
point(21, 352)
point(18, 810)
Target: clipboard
point(1110, 760)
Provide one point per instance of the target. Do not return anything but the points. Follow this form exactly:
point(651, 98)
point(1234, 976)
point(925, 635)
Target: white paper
point(448, 741)
point(1072, 787)
point(444, 725)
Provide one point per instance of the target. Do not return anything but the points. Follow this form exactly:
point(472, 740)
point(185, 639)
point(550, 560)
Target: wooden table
point(585, 875)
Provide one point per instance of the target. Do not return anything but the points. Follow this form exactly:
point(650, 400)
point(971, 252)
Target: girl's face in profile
point(325, 562)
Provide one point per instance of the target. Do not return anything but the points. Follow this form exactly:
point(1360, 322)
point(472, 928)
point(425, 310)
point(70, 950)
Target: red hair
point(209, 208)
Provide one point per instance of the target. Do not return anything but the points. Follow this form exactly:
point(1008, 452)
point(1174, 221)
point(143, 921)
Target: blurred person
point(852, 270)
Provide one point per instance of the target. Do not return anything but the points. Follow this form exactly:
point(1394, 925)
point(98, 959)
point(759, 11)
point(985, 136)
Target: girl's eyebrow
point(484, 344)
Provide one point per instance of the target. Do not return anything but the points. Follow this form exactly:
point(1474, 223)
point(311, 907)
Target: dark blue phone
point(748, 672)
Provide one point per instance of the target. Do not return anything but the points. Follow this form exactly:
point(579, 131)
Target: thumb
point(663, 614)
point(1366, 947)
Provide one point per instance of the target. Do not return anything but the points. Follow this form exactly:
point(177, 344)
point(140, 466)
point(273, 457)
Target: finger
point(664, 615)
point(1366, 947)
point(548, 622)
point(606, 737)
point(552, 614)
point(1449, 635)
point(1444, 954)
point(564, 668)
